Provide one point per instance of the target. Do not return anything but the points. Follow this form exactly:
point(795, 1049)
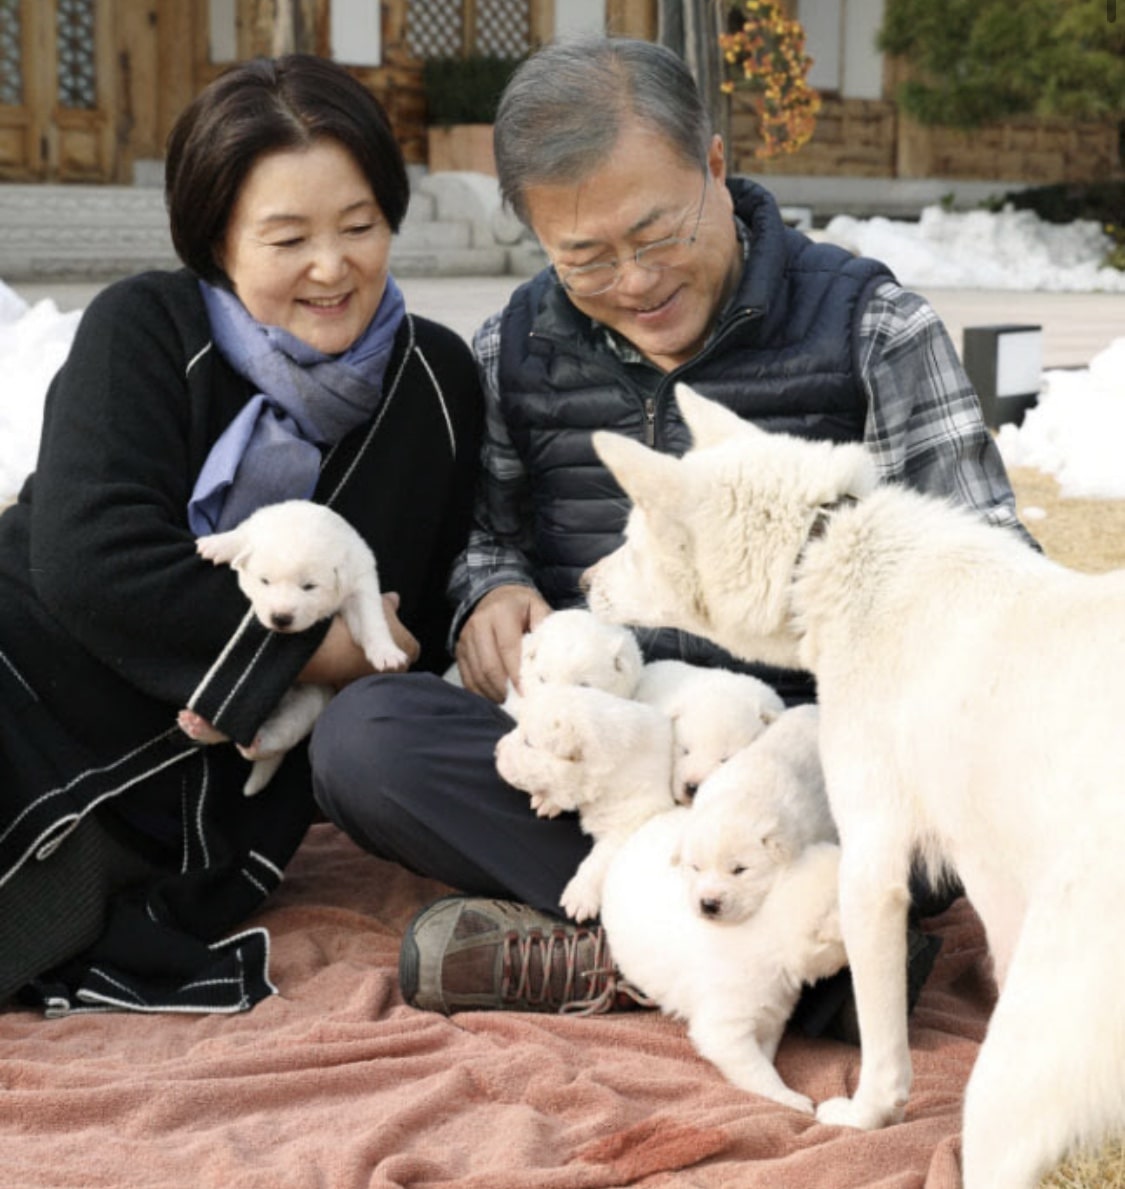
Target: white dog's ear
point(220, 548)
point(645, 475)
point(710, 422)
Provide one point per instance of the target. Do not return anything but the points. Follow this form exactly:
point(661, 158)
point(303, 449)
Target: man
point(661, 270)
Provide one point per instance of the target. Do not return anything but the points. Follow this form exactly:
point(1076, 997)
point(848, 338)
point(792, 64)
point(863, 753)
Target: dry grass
point(1104, 1169)
point(1083, 534)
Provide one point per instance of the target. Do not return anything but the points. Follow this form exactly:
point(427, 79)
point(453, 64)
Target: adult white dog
point(714, 713)
point(755, 814)
point(607, 758)
point(972, 694)
point(734, 981)
point(572, 647)
point(298, 563)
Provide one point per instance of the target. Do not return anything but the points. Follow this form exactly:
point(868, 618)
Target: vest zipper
point(745, 314)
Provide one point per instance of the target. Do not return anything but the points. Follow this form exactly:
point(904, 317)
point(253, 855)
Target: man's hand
point(488, 649)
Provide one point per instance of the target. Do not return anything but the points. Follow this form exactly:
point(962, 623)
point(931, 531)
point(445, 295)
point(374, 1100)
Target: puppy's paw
point(581, 900)
point(218, 547)
point(196, 727)
point(853, 1112)
point(388, 659)
point(543, 805)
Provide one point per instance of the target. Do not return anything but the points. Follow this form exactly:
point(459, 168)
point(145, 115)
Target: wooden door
point(56, 91)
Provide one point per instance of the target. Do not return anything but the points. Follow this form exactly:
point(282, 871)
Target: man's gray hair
point(564, 108)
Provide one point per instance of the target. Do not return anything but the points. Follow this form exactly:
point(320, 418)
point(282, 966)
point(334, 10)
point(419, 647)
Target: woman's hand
point(339, 659)
point(488, 649)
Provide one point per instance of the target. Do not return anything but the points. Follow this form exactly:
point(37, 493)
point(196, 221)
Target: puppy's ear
point(241, 559)
point(566, 742)
point(220, 548)
point(624, 651)
point(710, 422)
point(776, 845)
point(645, 475)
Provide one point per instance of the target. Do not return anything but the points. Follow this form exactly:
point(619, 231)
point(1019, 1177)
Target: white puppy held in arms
point(971, 693)
point(755, 815)
point(299, 563)
point(607, 758)
point(572, 647)
point(735, 981)
point(714, 713)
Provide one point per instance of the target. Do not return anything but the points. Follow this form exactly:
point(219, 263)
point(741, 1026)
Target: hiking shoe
point(467, 953)
point(827, 1008)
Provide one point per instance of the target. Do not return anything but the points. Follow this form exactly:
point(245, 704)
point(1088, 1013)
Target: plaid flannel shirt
point(923, 428)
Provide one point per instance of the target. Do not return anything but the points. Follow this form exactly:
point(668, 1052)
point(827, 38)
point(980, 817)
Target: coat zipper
point(651, 404)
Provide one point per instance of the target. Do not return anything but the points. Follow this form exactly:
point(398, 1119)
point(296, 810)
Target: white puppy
point(298, 563)
point(585, 750)
point(571, 647)
point(735, 982)
point(755, 815)
point(714, 713)
point(972, 694)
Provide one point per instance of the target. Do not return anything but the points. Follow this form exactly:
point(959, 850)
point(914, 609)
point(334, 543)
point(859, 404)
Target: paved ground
point(1076, 326)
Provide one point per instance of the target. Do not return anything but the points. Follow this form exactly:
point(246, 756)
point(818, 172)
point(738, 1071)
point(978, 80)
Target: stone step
point(453, 228)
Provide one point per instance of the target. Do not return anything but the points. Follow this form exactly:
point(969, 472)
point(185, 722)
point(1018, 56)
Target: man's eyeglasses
point(591, 280)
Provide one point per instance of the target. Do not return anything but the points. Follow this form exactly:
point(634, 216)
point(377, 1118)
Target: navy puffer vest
point(784, 356)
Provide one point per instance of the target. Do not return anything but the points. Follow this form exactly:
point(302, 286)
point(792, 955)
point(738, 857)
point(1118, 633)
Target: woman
point(280, 363)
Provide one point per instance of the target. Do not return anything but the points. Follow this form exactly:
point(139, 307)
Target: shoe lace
point(533, 961)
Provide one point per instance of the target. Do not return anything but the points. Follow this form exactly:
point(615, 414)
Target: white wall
point(579, 16)
point(863, 63)
point(840, 37)
point(823, 21)
point(223, 31)
point(354, 33)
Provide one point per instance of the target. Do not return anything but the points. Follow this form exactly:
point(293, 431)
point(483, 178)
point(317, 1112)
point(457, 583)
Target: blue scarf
point(307, 401)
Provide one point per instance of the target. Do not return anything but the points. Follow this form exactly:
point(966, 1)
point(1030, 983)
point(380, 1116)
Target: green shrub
point(465, 90)
point(1066, 201)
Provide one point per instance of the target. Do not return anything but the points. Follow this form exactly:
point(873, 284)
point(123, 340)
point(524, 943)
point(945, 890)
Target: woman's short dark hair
point(261, 106)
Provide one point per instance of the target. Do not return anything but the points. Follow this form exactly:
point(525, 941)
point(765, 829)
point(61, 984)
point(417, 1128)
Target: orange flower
point(767, 58)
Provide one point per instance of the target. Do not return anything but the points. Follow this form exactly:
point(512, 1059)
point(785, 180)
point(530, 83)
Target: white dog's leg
point(1060, 1021)
point(363, 613)
point(874, 898)
point(582, 896)
point(291, 721)
point(730, 1044)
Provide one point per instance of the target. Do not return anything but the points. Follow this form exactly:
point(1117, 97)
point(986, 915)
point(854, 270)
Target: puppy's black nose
point(710, 908)
point(282, 621)
point(690, 790)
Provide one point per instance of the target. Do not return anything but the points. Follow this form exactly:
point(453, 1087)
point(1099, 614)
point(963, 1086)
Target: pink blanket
point(335, 1084)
